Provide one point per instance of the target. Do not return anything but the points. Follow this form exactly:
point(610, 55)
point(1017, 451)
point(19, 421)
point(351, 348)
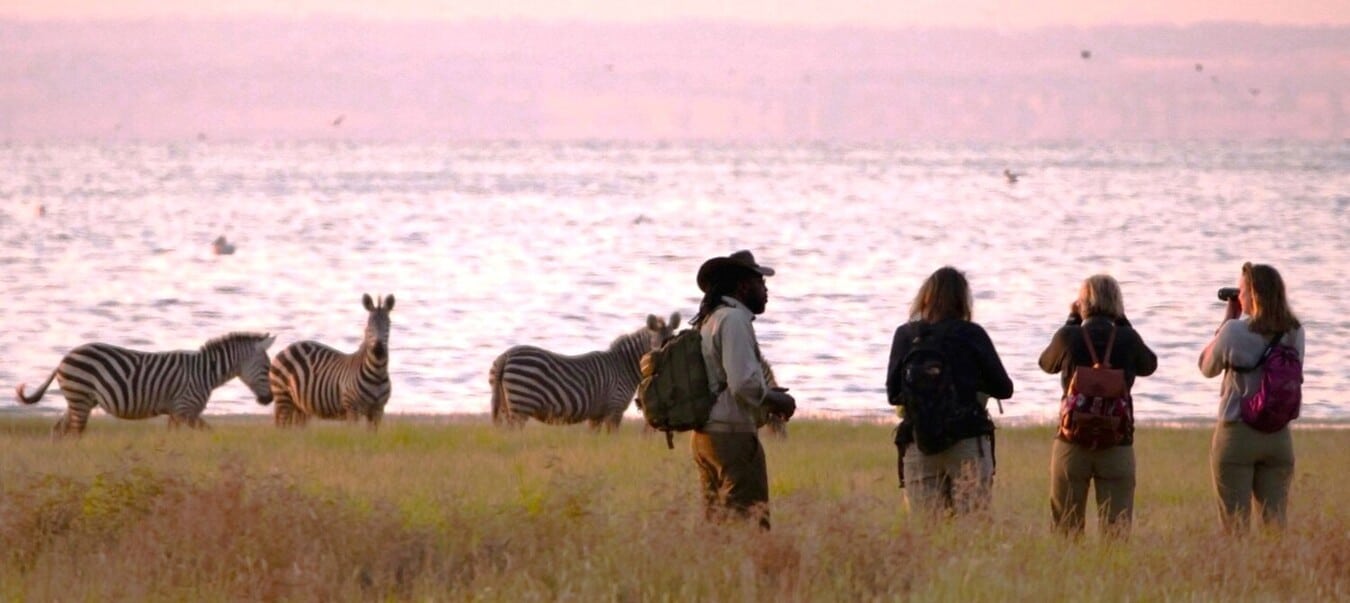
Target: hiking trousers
point(1109, 471)
point(1249, 465)
point(734, 475)
point(959, 479)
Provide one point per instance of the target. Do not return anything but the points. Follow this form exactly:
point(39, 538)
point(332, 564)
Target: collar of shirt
point(736, 304)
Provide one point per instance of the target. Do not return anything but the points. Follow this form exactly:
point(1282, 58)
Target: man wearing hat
point(727, 450)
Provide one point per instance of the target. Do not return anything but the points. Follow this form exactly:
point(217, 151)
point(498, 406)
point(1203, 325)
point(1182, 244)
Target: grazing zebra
point(310, 378)
point(527, 381)
point(130, 384)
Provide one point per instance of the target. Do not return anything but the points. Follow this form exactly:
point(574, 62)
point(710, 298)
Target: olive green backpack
point(674, 394)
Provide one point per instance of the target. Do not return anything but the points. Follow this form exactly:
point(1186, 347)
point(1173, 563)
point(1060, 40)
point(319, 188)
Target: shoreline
point(1015, 423)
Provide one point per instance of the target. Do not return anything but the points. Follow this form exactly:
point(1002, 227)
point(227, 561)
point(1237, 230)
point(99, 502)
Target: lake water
point(567, 246)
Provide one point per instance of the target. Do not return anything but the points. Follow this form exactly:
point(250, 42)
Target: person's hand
point(1233, 310)
point(1075, 316)
point(780, 403)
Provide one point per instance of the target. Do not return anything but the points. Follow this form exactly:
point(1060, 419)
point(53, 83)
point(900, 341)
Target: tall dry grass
point(433, 509)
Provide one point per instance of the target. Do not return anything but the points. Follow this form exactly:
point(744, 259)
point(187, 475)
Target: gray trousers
point(1249, 465)
point(958, 480)
point(1110, 471)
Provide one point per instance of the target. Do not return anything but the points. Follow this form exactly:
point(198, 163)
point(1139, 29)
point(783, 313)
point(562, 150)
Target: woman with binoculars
point(1259, 350)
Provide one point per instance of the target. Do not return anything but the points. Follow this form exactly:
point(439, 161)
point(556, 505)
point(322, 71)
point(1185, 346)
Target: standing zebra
point(310, 378)
point(131, 384)
point(527, 381)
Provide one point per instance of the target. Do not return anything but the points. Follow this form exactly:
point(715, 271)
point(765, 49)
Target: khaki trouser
point(1250, 465)
point(735, 478)
point(957, 480)
point(1110, 471)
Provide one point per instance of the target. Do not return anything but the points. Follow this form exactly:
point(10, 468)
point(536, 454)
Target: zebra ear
point(388, 302)
point(367, 302)
point(674, 321)
point(267, 342)
point(653, 322)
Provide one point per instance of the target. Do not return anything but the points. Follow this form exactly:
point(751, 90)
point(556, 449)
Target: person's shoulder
point(1235, 326)
point(906, 328)
point(968, 329)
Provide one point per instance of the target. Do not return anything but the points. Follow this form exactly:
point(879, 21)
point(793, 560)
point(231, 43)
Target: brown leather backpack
point(1097, 411)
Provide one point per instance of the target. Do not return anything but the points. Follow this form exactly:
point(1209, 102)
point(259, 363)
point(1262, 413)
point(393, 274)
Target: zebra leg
point(74, 420)
point(285, 411)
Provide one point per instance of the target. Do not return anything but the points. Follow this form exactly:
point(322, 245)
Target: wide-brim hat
point(740, 262)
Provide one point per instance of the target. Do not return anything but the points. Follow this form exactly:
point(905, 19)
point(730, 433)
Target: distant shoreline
point(1017, 423)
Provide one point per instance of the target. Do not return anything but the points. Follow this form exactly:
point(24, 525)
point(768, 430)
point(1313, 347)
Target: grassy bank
point(433, 509)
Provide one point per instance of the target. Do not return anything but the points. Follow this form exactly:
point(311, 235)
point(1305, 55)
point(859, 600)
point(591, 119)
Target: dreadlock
point(720, 287)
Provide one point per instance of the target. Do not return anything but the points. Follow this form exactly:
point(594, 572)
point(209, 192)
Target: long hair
point(1100, 296)
point(944, 295)
point(1270, 308)
point(720, 287)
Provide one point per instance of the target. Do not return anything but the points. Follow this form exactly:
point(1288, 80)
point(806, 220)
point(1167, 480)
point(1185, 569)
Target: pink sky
point(878, 13)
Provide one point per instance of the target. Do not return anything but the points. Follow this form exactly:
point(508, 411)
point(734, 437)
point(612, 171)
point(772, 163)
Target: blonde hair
point(1270, 308)
point(945, 294)
point(1100, 296)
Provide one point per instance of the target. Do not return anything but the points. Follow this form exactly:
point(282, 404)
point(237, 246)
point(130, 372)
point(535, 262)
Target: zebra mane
point(235, 337)
point(622, 340)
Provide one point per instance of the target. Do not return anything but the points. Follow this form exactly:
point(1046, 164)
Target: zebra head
point(244, 355)
point(377, 325)
point(660, 331)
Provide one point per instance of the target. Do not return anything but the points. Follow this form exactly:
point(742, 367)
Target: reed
point(455, 509)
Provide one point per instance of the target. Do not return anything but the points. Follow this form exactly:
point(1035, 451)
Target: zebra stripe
point(311, 379)
point(131, 384)
point(528, 381)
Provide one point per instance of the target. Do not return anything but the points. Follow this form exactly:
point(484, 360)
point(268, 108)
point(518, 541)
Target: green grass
point(455, 509)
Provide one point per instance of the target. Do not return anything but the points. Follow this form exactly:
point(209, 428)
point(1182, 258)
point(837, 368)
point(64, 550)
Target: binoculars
point(1228, 293)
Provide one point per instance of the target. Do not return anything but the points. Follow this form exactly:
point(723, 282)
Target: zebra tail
point(499, 410)
point(38, 394)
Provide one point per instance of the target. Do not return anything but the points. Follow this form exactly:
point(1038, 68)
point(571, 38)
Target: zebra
point(310, 378)
point(597, 387)
point(131, 384)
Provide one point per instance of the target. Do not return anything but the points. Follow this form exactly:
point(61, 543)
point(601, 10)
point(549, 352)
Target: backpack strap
point(1110, 343)
point(1264, 355)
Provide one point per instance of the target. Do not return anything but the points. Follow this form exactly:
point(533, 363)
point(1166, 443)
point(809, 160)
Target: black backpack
point(928, 394)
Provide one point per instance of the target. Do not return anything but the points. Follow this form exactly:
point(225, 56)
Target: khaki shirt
point(735, 369)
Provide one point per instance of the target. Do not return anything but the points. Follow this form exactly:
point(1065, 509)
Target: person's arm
point(1218, 354)
point(994, 379)
point(745, 374)
point(899, 347)
point(1057, 353)
point(1145, 361)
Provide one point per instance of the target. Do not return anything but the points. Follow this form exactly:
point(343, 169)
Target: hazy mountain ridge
point(527, 80)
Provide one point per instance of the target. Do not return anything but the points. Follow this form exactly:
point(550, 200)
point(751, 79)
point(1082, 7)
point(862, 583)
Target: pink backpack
point(1276, 402)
